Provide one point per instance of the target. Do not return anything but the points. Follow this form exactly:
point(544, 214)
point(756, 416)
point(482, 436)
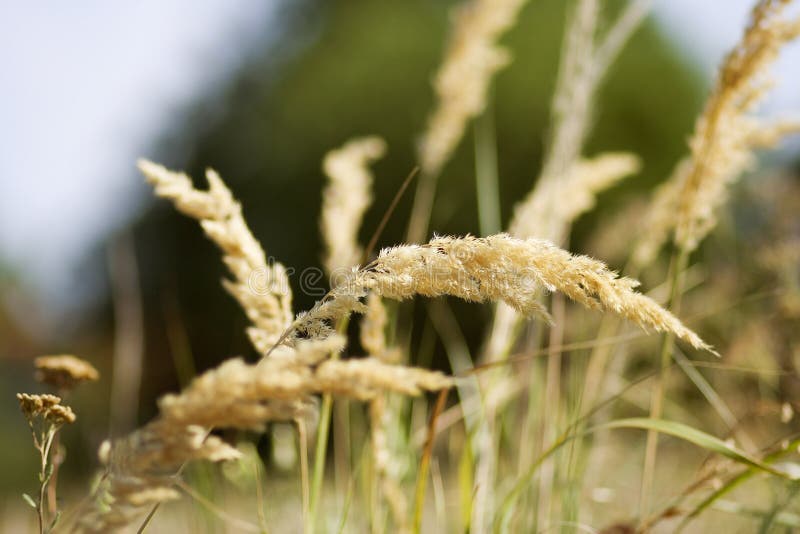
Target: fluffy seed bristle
point(495, 268)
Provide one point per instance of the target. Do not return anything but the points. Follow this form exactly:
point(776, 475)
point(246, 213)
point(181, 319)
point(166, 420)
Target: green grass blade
point(672, 428)
point(695, 436)
point(735, 482)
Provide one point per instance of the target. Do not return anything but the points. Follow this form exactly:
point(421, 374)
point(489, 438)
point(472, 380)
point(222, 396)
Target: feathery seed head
point(261, 288)
point(471, 60)
point(725, 137)
point(346, 198)
point(553, 206)
point(494, 268)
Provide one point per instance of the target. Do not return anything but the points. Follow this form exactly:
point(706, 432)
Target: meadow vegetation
point(594, 404)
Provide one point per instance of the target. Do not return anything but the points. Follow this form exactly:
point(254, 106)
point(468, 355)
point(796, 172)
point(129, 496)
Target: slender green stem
point(735, 482)
point(552, 406)
point(240, 525)
point(319, 454)
point(44, 476)
point(321, 445)
point(486, 182)
point(678, 263)
point(422, 208)
point(425, 462)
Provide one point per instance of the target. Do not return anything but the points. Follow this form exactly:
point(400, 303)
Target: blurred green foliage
point(354, 67)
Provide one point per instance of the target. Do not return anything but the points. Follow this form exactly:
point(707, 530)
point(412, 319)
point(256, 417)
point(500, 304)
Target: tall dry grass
point(529, 440)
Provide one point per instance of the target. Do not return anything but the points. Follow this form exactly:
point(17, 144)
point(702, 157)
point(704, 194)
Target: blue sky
point(86, 86)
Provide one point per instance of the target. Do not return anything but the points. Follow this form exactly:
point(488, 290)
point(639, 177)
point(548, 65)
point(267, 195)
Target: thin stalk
point(180, 349)
point(680, 260)
point(262, 518)
point(128, 352)
point(148, 518)
point(57, 460)
point(341, 445)
point(425, 462)
point(439, 497)
point(387, 215)
point(534, 414)
point(321, 445)
point(423, 206)
point(308, 519)
point(320, 454)
point(714, 399)
point(486, 182)
point(504, 512)
point(551, 408)
point(240, 524)
point(44, 478)
point(479, 418)
point(156, 506)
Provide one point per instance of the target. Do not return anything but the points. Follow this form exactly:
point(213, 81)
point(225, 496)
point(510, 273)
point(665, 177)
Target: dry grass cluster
point(515, 412)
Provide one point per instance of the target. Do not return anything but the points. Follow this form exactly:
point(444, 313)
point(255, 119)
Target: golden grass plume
point(346, 198)
point(261, 289)
point(725, 135)
point(494, 268)
point(471, 60)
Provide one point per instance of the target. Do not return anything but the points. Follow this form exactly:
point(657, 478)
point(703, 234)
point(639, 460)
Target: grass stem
point(678, 264)
point(321, 446)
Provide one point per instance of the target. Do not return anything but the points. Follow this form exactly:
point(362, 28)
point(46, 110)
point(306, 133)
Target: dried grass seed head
point(551, 208)
point(726, 133)
point(261, 288)
point(494, 268)
point(461, 84)
point(346, 198)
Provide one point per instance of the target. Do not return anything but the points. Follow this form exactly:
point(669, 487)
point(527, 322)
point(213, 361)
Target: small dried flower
point(64, 371)
point(45, 407)
point(58, 415)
